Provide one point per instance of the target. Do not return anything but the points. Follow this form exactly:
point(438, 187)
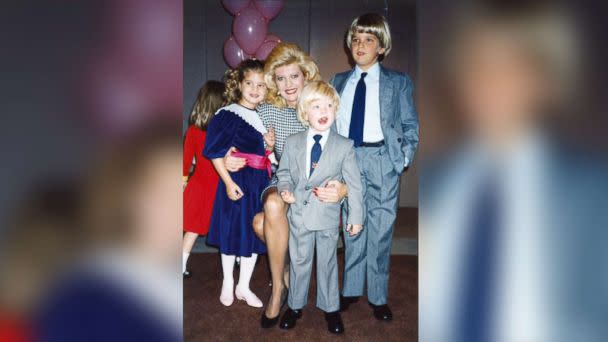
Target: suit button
point(305, 202)
point(307, 188)
point(399, 139)
point(392, 126)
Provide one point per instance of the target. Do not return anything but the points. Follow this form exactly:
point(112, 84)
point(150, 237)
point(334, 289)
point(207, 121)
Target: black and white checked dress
point(285, 123)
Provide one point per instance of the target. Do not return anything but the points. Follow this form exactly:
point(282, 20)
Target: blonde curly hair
point(285, 54)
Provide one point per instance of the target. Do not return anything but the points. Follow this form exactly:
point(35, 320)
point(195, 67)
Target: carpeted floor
point(206, 319)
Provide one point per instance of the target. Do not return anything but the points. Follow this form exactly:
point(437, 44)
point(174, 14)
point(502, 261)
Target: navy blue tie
point(477, 306)
point(357, 115)
point(315, 153)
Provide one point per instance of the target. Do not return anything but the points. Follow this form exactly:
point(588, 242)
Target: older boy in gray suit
point(310, 160)
point(378, 113)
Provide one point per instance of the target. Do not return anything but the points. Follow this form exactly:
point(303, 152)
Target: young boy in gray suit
point(311, 159)
point(377, 112)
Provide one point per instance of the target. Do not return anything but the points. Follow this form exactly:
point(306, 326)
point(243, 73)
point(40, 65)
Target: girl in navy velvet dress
point(238, 194)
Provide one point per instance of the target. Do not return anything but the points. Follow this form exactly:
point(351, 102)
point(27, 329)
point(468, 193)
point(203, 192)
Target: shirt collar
point(324, 135)
point(372, 73)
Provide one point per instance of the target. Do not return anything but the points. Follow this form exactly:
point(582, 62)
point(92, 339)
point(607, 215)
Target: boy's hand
point(233, 164)
point(288, 197)
point(354, 229)
point(269, 138)
point(233, 191)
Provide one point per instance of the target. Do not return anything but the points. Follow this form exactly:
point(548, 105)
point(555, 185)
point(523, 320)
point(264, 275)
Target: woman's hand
point(233, 164)
point(288, 197)
point(333, 192)
point(270, 138)
point(233, 191)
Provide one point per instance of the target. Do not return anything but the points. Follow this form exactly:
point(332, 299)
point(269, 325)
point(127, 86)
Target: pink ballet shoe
point(227, 295)
point(248, 296)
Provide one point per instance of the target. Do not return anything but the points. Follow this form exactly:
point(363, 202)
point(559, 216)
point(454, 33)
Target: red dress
point(202, 185)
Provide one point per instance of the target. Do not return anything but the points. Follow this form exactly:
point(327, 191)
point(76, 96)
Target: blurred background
point(91, 135)
point(513, 171)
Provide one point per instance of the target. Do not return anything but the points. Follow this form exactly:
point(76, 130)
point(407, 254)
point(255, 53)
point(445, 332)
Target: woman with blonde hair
point(287, 70)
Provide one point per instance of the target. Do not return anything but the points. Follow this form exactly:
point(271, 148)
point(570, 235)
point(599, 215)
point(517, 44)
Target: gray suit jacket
point(338, 162)
point(398, 116)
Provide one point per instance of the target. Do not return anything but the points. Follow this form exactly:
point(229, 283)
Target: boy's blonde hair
point(285, 54)
point(371, 23)
point(316, 90)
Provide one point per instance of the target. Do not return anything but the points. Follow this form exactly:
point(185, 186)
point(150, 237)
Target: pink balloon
point(235, 6)
point(272, 38)
point(233, 54)
point(269, 8)
point(249, 29)
point(264, 49)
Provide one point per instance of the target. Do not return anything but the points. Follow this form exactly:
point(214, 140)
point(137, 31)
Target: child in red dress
point(201, 184)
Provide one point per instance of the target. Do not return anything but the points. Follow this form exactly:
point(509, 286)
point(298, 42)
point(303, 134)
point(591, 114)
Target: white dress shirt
point(521, 293)
point(310, 141)
point(372, 130)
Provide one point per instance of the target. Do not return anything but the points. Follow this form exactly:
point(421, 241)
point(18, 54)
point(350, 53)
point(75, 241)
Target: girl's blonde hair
point(314, 91)
point(234, 77)
point(210, 98)
point(375, 24)
point(284, 54)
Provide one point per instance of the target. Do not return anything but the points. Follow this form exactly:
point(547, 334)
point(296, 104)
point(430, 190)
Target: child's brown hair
point(375, 24)
point(210, 98)
point(234, 77)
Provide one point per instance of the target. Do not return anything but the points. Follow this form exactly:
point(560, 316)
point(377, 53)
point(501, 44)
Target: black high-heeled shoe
point(266, 322)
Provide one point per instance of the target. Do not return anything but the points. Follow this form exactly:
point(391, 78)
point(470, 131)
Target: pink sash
point(255, 161)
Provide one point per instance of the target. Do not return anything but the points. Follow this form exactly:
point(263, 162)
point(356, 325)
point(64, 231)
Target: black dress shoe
point(289, 318)
point(268, 322)
point(382, 312)
point(334, 322)
point(187, 274)
point(345, 302)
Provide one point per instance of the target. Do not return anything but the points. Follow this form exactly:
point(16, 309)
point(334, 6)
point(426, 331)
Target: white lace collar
point(250, 116)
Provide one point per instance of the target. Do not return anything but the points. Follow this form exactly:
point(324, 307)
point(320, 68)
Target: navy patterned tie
point(357, 116)
point(315, 153)
point(477, 306)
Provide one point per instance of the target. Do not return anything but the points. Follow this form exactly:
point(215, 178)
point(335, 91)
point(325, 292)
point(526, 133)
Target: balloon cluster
point(250, 37)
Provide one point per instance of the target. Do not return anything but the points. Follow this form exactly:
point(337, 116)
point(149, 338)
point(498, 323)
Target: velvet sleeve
point(220, 134)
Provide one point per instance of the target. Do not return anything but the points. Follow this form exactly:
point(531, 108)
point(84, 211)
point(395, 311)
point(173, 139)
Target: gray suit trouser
point(301, 251)
point(367, 255)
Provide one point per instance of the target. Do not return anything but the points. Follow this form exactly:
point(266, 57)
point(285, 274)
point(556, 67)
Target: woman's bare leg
point(258, 226)
point(276, 231)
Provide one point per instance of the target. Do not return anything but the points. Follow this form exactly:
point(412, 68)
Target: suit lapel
point(386, 95)
point(301, 156)
point(342, 82)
